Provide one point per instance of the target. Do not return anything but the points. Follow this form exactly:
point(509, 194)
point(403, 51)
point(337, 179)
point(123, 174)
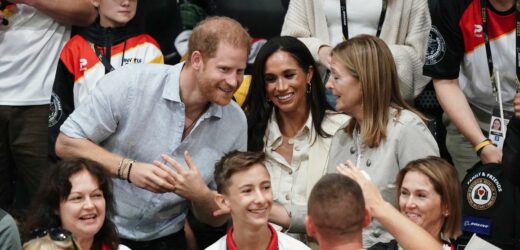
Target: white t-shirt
point(29, 51)
point(362, 18)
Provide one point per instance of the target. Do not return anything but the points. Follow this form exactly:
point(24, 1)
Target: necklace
point(186, 131)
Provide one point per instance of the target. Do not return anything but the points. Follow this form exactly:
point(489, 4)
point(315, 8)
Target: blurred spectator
point(512, 146)
point(9, 236)
point(108, 44)
point(29, 47)
point(464, 54)
point(402, 24)
point(52, 239)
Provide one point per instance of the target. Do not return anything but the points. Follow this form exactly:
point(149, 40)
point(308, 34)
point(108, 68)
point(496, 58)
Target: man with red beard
point(140, 114)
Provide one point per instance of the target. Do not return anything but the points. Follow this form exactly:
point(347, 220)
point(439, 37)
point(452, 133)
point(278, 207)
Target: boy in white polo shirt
point(244, 188)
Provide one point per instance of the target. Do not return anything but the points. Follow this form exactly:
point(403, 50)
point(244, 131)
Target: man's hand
point(324, 55)
point(221, 211)
point(516, 105)
point(491, 154)
point(154, 178)
point(188, 182)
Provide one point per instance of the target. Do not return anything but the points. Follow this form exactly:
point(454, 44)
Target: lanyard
point(344, 24)
point(103, 59)
point(483, 5)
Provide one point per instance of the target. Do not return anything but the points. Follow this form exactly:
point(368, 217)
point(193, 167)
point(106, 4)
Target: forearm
point(455, 104)
point(70, 12)
point(68, 147)
point(408, 234)
point(203, 207)
point(279, 215)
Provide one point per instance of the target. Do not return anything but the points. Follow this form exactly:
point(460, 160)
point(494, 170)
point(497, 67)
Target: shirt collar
point(274, 136)
point(171, 91)
point(273, 243)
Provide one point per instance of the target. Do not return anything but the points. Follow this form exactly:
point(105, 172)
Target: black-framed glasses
point(55, 233)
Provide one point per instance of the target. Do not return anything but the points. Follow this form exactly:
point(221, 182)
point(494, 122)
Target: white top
point(29, 47)
point(362, 18)
point(288, 179)
point(405, 30)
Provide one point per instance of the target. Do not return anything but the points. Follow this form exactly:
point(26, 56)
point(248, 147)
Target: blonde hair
point(210, 32)
point(370, 61)
point(443, 177)
point(46, 243)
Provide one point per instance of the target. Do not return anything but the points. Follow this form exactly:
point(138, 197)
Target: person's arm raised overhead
point(408, 234)
point(72, 12)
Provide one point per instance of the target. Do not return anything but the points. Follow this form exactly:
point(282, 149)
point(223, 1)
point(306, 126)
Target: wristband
point(478, 148)
point(129, 169)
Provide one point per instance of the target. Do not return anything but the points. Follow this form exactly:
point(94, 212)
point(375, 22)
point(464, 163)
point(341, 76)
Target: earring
point(309, 88)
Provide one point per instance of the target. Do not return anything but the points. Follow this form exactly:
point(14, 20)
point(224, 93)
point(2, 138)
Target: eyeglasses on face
point(55, 233)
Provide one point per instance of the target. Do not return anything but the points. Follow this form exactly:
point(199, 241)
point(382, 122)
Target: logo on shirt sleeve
point(56, 110)
point(436, 48)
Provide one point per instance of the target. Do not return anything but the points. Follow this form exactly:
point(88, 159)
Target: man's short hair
point(208, 34)
point(233, 162)
point(336, 205)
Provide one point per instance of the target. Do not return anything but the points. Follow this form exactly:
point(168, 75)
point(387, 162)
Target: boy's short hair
point(233, 162)
point(336, 205)
point(208, 34)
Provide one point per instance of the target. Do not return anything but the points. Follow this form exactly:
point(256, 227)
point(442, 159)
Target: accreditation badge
point(498, 127)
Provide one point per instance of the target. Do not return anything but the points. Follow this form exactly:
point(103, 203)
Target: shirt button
point(369, 163)
point(290, 141)
point(287, 197)
point(290, 171)
point(297, 148)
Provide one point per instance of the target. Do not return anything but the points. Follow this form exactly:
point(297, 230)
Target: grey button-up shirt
point(137, 112)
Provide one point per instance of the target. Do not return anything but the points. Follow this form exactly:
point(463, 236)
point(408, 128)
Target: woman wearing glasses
point(76, 196)
point(56, 239)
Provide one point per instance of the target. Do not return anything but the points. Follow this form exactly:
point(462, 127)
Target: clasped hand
point(159, 178)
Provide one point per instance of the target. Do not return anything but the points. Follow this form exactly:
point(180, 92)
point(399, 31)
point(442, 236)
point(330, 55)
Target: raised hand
point(188, 182)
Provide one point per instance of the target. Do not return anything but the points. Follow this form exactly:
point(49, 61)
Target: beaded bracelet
point(119, 168)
